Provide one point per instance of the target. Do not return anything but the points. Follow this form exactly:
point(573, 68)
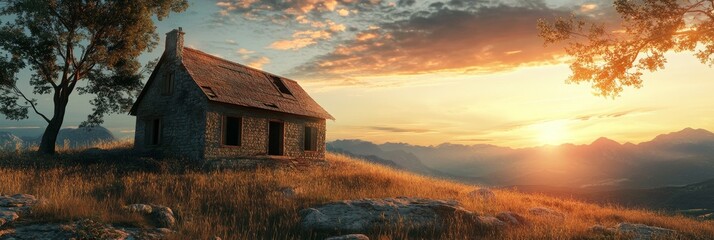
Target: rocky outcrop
point(11, 207)
point(484, 194)
point(511, 218)
point(162, 216)
point(546, 212)
point(81, 229)
point(644, 232)
point(367, 215)
point(602, 230)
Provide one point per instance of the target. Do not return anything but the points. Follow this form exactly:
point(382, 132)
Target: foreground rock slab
point(349, 237)
point(644, 232)
point(11, 207)
point(366, 215)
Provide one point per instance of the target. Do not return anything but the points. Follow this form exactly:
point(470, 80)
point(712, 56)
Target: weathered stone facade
point(254, 140)
point(192, 126)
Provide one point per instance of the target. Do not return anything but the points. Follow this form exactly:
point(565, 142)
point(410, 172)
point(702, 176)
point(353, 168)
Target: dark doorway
point(275, 138)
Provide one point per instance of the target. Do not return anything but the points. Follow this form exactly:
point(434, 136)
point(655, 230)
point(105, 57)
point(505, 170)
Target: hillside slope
point(252, 204)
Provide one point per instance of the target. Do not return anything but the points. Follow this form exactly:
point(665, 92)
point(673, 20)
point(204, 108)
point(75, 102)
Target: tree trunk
point(49, 137)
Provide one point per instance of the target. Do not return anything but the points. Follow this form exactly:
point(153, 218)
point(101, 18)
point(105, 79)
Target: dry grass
point(250, 205)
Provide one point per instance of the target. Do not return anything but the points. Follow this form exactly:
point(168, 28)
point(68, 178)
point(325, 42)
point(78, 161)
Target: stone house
point(202, 107)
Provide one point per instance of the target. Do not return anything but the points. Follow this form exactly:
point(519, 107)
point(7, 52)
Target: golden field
point(249, 204)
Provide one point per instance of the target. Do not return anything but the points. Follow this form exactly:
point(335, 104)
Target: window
point(153, 132)
point(281, 85)
point(167, 84)
point(310, 139)
point(232, 128)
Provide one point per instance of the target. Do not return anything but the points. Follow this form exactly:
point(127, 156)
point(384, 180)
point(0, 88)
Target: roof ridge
point(232, 62)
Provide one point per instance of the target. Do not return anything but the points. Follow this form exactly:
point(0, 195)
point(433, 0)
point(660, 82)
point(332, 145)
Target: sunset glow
point(551, 133)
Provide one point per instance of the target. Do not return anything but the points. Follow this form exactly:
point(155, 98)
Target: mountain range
point(672, 159)
point(74, 137)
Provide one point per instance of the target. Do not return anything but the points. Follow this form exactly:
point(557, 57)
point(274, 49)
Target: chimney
point(174, 43)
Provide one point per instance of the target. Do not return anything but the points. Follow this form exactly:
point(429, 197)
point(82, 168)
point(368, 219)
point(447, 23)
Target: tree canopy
point(614, 57)
point(67, 42)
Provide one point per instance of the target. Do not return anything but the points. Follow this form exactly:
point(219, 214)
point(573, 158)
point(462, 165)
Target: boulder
point(483, 194)
point(365, 215)
point(644, 232)
point(349, 237)
point(162, 216)
point(511, 218)
point(288, 192)
point(546, 212)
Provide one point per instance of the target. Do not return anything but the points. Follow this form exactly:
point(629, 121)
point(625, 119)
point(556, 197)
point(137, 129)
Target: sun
point(552, 132)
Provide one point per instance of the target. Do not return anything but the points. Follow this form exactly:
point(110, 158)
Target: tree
point(613, 59)
point(90, 46)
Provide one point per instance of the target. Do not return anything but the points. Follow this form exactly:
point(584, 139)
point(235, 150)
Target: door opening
point(275, 138)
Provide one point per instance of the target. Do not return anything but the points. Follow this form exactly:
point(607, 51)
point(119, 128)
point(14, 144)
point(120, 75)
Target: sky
point(429, 72)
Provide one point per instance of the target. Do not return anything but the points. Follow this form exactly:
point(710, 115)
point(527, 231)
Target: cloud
point(470, 38)
point(588, 7)
point(615, 114)
point(252, 60)
point(300, 40)
point(244, 52)
point(258, 63)
point(272, 8)
point(20, 127)
point(400, 130)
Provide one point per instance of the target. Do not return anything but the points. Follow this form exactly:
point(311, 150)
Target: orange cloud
point(300, 40)
point(490, 39)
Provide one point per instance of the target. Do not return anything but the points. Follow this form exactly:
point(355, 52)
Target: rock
point(11, 207)
point(139, 208)
point(483, 194)
point(708, 216)
point(36, 231)
point(161, 215)
point(644, 232)
point(288, 192)
point(164, 216)
point(546, 212)
point(349, 237)
point(365, 215)
point(164, 230)
point(90, 229)
point(490, 222)
point(602, 230)
point(511, 218)
point(17, 200)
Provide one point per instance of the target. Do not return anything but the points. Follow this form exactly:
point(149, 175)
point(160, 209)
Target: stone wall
point(254, 139)
point(182, 114)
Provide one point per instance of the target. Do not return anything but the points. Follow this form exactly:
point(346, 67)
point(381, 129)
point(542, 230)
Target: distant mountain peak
point(605, 142)
point(685, 135)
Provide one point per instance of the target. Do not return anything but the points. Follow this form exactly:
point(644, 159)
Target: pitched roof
point(228, 82)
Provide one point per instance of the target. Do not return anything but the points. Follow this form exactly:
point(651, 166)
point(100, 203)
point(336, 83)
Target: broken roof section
point(232, 83)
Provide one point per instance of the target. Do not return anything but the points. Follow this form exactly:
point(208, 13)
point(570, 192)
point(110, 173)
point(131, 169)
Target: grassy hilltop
point(250, 204)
